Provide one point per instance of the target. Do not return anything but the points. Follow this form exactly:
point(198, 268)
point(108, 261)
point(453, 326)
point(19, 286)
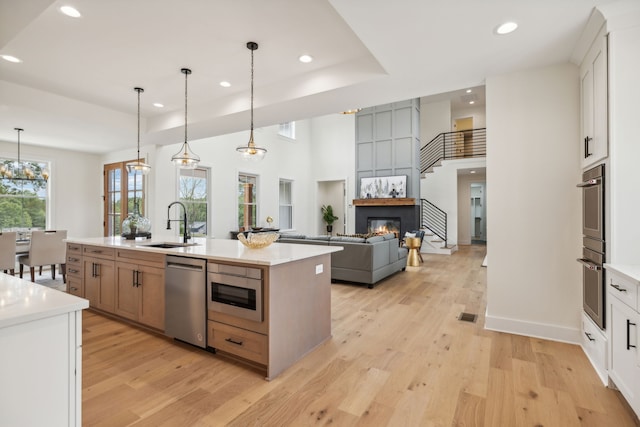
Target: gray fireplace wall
point(388, 144)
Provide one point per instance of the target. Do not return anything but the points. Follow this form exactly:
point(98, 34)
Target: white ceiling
point(74, 88)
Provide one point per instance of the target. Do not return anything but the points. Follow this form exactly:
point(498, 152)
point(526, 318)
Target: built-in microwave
point(235, 290)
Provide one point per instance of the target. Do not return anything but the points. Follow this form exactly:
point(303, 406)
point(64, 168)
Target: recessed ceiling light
point(506, 28)
point(225, 84)
point(305, 58)
point(70, 11)
point(158, 105)
point(472, 171)
point(11, 58)
point(468, 90)
point(472, 102)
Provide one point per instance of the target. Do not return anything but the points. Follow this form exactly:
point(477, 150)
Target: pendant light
point(20, 170)
point(250, 151)
point(138, 166)
point(185, 158)
point(135, 225)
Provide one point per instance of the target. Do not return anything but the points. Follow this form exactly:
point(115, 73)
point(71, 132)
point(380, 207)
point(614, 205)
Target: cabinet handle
point(93, 270)
point(589, 336)
point(97, 267)
point(138, 278)
point(618, 288)
point(586, 147)
point(629, 324)
point(233, 341)
point(73, 289)
point(71, 270)
point(73, 259)
point(133, 278)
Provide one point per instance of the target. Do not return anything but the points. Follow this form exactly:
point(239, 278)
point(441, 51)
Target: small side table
point(413, 244)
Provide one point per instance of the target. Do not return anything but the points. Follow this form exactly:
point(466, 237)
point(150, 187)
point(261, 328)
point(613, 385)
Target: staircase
point(433, 221)
point(451, 146)
point(458, 145)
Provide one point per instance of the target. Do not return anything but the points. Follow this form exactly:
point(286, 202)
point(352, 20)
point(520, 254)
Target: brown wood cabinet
point(75, 283)
point(140, 287)
point(98, 273)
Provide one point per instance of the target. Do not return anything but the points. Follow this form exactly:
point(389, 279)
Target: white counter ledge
point(22, 301)
point(219, 249)
point(630, 270)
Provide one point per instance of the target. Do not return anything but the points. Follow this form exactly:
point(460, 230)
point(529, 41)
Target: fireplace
point(408, 217)
point(383, 225)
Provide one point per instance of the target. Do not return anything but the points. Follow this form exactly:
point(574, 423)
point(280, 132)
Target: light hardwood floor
point(399, 356)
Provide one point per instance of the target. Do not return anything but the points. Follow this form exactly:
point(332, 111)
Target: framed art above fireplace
point(382, 187)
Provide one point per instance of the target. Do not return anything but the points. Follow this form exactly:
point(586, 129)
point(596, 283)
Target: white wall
point(333, 155)
point(75, 187)
point(624, 130)
point(534, 221)
point(435, 118)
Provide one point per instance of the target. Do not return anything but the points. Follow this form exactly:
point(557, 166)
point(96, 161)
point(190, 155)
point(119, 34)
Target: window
point(288, 129)
point(23, 201)
point(247, 201)
point(286, 207)
point(121, 190)
point(193, 190)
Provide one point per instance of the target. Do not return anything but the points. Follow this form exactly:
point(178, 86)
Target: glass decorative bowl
point(258, 240)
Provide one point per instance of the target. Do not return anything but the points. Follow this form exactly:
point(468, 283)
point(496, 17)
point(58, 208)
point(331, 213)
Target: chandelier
point(23, 170)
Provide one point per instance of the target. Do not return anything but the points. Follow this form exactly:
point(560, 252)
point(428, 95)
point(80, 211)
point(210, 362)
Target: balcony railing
point(453, 145)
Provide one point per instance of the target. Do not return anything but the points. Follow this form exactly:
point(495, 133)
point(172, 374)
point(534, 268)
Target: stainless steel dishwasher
point(185, 311)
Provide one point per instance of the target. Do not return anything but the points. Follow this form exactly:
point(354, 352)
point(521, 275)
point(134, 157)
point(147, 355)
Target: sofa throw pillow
point(407, 234)
point(348, 239)
point(374, 239)
point(389, 236)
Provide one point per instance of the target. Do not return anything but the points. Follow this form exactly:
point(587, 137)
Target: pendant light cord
point(252, 91)
point(138, 90)
point(186, 73)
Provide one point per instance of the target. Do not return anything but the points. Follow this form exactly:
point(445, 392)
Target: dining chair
point(47, 247)
point(8, 251)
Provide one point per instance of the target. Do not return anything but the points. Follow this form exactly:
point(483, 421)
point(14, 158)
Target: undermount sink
point(167, 245)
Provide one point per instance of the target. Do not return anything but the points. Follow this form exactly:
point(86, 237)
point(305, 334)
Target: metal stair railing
point(453, 145)
point(434, 219)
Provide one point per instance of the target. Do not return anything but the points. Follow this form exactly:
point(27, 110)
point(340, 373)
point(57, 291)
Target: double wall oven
point(593, 242)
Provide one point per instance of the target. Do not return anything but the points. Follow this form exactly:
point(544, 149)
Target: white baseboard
point(531, 329)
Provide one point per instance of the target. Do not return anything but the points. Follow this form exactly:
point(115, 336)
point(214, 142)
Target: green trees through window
point(193, 192)
point(23, 202)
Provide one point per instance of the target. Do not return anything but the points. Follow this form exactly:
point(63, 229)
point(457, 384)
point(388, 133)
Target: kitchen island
point(126, 279)
point(41, 354)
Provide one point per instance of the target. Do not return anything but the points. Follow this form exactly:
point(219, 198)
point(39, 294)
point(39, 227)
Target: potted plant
point(328, 217)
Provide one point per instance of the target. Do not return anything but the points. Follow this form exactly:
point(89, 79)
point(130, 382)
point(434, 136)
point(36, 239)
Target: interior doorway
point(333, 193)
point(463, 141)
point(478, 224)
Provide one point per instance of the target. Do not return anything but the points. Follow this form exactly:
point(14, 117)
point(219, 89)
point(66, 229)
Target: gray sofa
point(363, 260)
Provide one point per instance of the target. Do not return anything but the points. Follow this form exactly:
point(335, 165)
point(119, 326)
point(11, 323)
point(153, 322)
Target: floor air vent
point(467, 317)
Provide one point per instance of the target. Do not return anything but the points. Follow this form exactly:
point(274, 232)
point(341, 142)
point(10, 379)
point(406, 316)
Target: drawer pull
point(73, 259)
point(629, 324)
point(618, 288)
point(71, 270)
point(589, 336)
point(233, 341)
point(73, 289)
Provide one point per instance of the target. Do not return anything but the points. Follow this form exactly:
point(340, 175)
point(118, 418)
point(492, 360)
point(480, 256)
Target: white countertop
point(630, 270)
point(219, 249)
point(22, 301)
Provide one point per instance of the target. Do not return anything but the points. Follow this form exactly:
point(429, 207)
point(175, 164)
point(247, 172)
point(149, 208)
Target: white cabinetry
point(624, 362)
point(594, 344)
point(593, 97)
point(41, 356)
